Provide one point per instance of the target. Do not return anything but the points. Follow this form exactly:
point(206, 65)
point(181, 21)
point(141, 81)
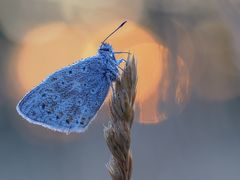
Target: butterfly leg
point(120, 68)
point(119, 61)
point(121, 52)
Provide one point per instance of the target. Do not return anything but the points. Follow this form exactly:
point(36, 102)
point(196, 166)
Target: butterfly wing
point(68, 99)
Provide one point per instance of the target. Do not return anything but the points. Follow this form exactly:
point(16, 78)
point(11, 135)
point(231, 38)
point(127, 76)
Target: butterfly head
point(105, 48)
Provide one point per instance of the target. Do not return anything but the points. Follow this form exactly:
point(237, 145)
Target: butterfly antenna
point(114, 31)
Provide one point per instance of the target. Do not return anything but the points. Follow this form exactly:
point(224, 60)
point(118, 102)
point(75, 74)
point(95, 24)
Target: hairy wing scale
point(69, 98)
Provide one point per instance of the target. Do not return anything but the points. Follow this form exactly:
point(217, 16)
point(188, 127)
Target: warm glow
point(50, 47)
point(46, 49)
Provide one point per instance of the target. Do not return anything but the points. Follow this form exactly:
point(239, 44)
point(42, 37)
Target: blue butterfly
point(67, 100)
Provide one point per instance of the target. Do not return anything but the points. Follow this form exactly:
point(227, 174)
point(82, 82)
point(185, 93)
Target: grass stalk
point(118, 132)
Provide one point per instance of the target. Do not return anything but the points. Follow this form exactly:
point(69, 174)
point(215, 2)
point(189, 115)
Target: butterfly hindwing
point(69, 98)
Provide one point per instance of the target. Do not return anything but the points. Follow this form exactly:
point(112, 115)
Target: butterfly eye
point(104, 49)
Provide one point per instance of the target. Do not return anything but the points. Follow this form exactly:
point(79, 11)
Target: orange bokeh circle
point(46, 49)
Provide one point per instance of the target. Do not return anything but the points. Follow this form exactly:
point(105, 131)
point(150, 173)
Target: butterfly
point(69, 99)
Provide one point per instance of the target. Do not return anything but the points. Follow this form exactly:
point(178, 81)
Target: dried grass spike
point(118, 132)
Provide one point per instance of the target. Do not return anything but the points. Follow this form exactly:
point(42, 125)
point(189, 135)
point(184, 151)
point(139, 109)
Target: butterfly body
point(68, 100)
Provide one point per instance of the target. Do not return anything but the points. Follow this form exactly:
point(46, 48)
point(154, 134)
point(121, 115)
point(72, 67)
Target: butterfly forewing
point(69, 98)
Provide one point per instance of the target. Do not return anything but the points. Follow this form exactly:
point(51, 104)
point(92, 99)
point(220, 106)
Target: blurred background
point(187, 123)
